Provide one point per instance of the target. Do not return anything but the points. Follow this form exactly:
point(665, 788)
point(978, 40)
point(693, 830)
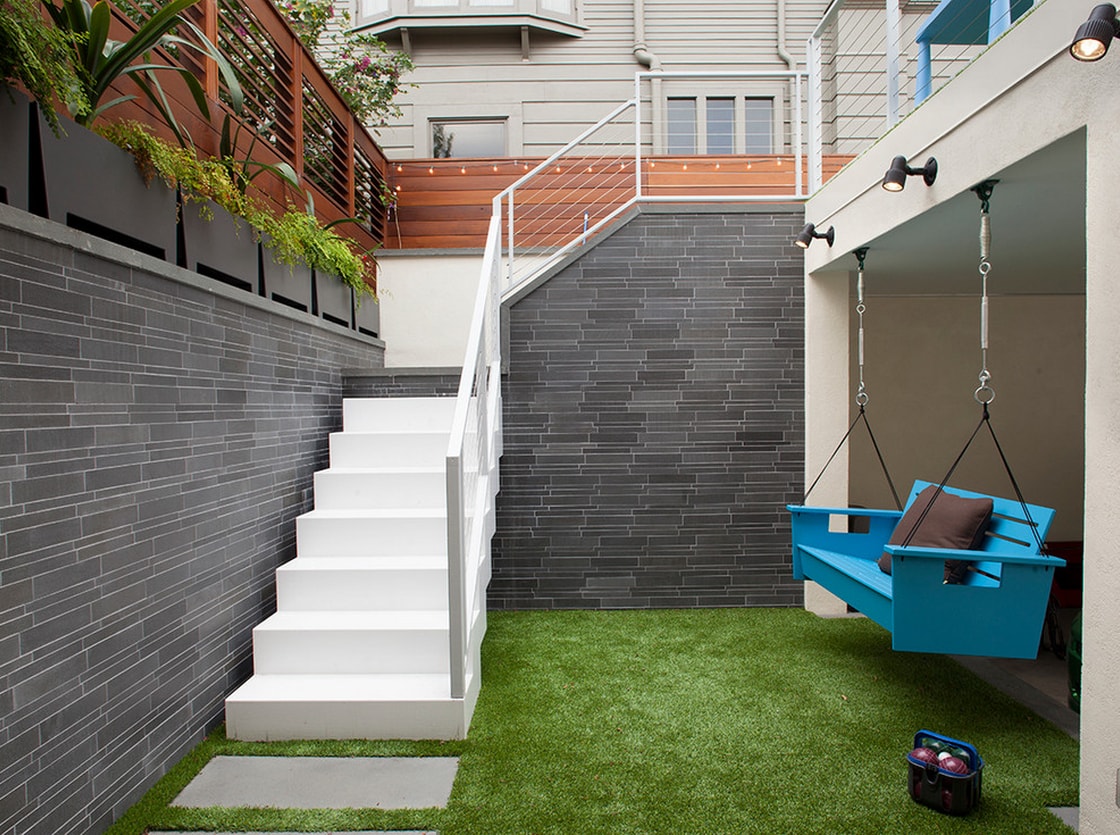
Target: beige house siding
point(562, 84)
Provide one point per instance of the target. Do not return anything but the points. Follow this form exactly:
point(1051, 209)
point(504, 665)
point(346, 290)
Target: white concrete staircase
point(359, 645)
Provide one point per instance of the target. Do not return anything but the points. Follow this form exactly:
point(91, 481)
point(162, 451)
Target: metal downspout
point(648, 59)
point(783, 53)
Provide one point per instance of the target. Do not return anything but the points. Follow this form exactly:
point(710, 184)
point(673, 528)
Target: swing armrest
point(942, 554)
point(813, 510)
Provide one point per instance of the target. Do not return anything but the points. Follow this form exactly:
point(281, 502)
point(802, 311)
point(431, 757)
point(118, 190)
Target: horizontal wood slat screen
point(286, 94)
point(446, 203)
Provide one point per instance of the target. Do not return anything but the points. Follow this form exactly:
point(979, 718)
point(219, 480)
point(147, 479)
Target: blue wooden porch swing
point(996, 607)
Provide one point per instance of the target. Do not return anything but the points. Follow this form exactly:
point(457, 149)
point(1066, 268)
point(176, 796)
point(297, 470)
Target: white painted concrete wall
point(1022, 95)
point(426, 305)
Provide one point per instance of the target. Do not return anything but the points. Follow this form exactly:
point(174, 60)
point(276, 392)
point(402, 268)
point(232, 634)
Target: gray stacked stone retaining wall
point(158, 436)
point(654, 420)
point(401, 382)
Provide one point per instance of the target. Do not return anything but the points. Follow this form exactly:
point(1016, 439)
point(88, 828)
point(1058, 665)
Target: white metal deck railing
point(871, 64)
point(583, 187)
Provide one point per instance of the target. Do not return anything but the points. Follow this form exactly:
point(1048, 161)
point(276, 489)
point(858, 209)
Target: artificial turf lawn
point(693, 721)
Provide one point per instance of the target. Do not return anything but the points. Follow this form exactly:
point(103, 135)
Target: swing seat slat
point(998, 610)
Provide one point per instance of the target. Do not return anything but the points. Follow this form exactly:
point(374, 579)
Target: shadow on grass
point(682, 721)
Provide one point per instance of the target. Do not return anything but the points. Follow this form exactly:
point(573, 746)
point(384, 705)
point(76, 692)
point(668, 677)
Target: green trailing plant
point(294, 237)
point(37, 56)
point(99, 61)
point(297, 237)
point(198, 180)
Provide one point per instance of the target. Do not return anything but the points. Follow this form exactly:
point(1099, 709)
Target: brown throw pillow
point(952, 522)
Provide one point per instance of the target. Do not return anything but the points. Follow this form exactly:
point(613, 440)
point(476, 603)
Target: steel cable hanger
point(984, 393)
point(862, 397)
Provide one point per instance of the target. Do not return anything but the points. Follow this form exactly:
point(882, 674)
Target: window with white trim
point(469, 138)
point(681, 130)
point(719, 125)
point(759, 126)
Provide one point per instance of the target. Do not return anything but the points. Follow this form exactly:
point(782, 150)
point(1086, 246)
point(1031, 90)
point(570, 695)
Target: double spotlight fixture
point(806, 235)
point(1095, 34)
point(895, 178)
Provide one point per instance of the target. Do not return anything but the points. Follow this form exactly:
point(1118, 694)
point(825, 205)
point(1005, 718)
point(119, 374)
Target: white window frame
point(775, 91)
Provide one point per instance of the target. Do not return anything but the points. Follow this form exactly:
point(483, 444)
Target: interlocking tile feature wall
point(157, 441)
point(654, 420)
point(401, 382)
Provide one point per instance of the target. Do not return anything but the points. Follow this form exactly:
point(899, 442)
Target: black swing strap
point(985, 421)
point(861, 396)
point(984, 394)
point(861, 417)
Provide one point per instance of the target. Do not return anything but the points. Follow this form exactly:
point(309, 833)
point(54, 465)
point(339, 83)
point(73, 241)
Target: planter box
point(284, 283)
point(367, 315)
point(334, 300)
point(15, 147)
point(223, 248)
point(93, 185)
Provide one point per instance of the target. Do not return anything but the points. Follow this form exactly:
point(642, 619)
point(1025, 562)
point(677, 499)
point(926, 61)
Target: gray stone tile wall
point(401, 382)
point(654, 420)
point(157, 440)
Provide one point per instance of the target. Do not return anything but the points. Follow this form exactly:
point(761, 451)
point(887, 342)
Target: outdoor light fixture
point(1095, 34)
point(895, 178)
point(806, 235)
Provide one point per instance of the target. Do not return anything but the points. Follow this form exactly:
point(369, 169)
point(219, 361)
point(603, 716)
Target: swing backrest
point(1011, 531)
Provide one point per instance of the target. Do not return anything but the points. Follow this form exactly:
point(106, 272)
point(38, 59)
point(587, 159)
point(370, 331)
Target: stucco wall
point(158, 438)
point(426, 305)
point(922, 360)
point(653, 420)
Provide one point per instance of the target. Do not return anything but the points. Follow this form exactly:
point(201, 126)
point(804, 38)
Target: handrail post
point(455, 585)
point(798, 182)
point(816, 114)
point(509, 241)
point(637, 136)
point(894, 33)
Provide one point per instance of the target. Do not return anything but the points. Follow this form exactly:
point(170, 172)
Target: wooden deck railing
point(290, 105)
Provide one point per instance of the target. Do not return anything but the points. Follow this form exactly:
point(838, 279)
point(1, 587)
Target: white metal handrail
point(608, 173)
point(473, 451)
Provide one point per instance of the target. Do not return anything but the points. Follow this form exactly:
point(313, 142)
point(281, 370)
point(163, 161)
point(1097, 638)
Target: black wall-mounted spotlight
point(895, 178)
point(1095, 34)
point(806, 235)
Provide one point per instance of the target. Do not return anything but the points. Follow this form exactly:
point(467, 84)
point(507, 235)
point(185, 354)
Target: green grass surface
point(697, 721)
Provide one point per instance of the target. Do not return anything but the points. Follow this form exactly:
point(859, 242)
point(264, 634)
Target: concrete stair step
point(362, 583)
point(387, 706)
point(383, 488)
point(373, 414)
point(413, 448)
point(368, 533)
point(295, 642)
